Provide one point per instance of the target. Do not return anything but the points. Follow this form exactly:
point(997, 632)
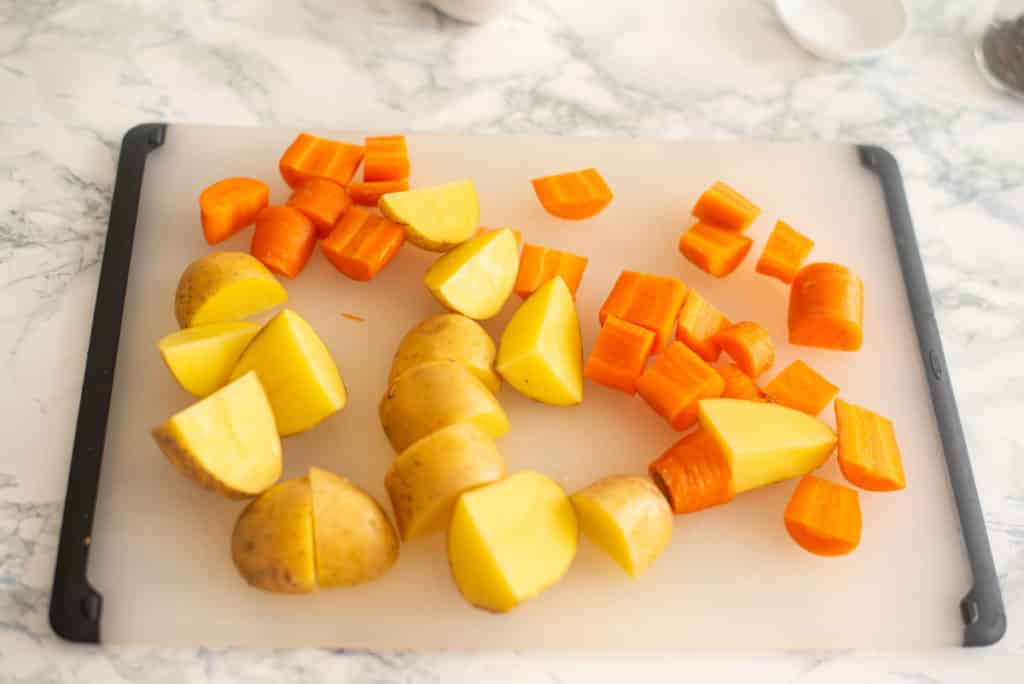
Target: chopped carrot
point(311, 157)
point(674, 383)
point(824, 517)
point(322, 201)
point(353, 317)
point(784, 253)
point(826, 308)
point(722, 206)
point(573, 195)
point(518, 235)
point(230, 205)
point(714, 250)
point(695, 473)
point(387, 158)
point(749, 345)
point(368, 193)
point(362, 243)
point(619, 355)
point(538, 265)
point(283, 240)
point(739, 385)
point(650, 301)
point(800, 387)
point(869, 456)
point(699, 322)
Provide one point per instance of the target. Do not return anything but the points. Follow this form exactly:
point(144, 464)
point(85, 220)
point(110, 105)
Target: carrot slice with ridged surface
point(694, 473)
point(801, 387)
point(784, 253)
point(322, 201)
point(230, 205)
point(826, 308)
point(739, 385)
point(699, 322)
point(573, 195)
point(538, 265)
point(620, 354)
point(362, 243)
point(869, 456)
point(312, 157)
point(749, 345)
point(674, 383)
point(824, 517)
point(368, 193)
point(283, 240)
point(650, 301)
point(387, 158)
point(722, 206)
point(713, 249)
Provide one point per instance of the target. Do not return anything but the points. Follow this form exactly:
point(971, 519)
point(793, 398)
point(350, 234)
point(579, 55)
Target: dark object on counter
point(1002, 49)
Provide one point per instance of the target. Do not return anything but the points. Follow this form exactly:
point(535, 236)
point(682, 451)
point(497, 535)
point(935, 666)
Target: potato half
point(448, 337)
point(225, 286)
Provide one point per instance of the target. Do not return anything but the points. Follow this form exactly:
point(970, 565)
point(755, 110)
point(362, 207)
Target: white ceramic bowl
point(845, 30)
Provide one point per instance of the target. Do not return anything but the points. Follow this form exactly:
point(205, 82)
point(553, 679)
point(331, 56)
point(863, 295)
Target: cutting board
point(731, 577)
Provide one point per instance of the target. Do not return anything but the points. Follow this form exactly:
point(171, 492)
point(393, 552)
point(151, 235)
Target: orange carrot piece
point(826, 308)
point(695, 473)
point(353, 317)
point(573, 195)
point(538, 265)
point(368, 193)
point(311, 157)
point(387, 158)
point(869, 456)
point(230, 205)
point(650, 301)
point(824, 517)
point(739, 385)
point(619, 355)
point(322, 201)
point(722, 206)
point(283, 240)
point(714, 250)
point(784, 253)
point(699, 322)
point(800, 387)
point(362, 243)
point(675, 382)
point(749, 345)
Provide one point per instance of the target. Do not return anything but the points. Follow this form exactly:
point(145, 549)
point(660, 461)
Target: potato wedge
point(435, 218)
point(448, 337)
point(476, 278)
point(225, 286)
point(202, 358)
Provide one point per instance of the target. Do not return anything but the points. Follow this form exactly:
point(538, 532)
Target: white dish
point(845, 30)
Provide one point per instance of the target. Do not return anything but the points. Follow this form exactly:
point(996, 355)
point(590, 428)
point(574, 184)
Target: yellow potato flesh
point(765, 443)
point(272, 543)
point(448, 337)
point(226, 442)
point(202, 358)
point(298, 373)
point(511, 540)
point(426, 479)
point(627, 517)
point(540, 353)
point(225, 286)
point(477, 277)
point(435, 218)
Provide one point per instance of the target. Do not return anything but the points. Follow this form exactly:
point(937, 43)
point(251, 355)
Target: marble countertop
point(75, 74)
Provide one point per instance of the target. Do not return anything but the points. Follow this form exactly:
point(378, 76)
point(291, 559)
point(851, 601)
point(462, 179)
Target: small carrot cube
point(749, 345)
point(800, 387)
point(714, 250)
point(699, 322)
point(722, 206)
point(739, 385)
point(619, 355)
point(283, 240)
point(826, 308)
point(368, 193)
point(230, 205)
point(573, 195)
point(784, 253)
point(650, 301)
point(362, 243)
point(695, 473)
point(322, 201)
point(869, 456)
point(538, 265)
point(312, 157)
point(824, 517)
point(387, 158)
point(674, 383)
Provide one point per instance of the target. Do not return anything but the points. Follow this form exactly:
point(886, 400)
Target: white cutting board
point(731, 578)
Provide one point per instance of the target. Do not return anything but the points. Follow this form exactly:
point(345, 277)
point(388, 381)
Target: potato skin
point(448, 337)
point(210, 274)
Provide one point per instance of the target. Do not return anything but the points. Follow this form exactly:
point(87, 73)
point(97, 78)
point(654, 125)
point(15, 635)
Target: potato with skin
point(436, 395)
point(225, 286)
point(448, 337)
point(477, 277)
point(627, 516)
point(207, 444)
point(426, 479)
point(435, 218)
point(202, 358)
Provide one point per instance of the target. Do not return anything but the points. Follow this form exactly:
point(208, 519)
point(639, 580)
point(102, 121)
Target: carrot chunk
point(538, 265)
point(722, 206)
point(230, 205)
point(826, 308)
point(824, 517)
point(749, 345)
point(800, 387)
point(714, 250)
point(694, 473)
point(869, 456)
point(674, 383)
point(650, 301)
point(739, 385)
point(619, 355)
point(311, 157)
point(784, 253)
point(387, 158)
point(573, 195)
point(699, 322)
point(322, 201)
point(283, 240)
point(362, 243)
point(368, 193)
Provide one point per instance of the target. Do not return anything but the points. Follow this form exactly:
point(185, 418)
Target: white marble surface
point(75, 74)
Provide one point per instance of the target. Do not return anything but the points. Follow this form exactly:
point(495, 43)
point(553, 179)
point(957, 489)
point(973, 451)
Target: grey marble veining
point(74, 74)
